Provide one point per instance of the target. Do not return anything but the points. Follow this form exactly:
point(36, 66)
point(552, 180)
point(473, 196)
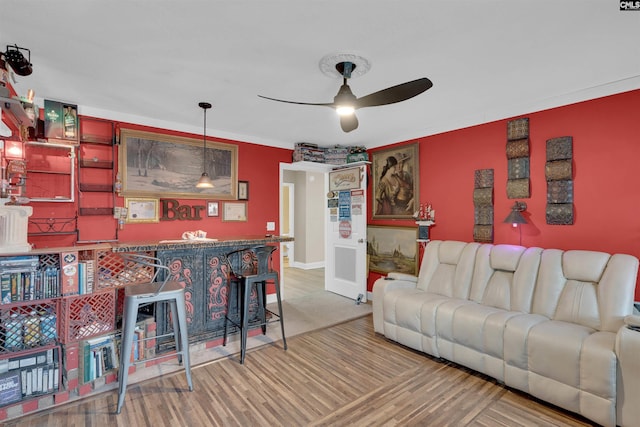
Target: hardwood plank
point(345, 375)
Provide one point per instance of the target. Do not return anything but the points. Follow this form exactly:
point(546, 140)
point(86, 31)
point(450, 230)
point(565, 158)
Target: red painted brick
point(85, 389)
point(30, 406)
point(61, 397)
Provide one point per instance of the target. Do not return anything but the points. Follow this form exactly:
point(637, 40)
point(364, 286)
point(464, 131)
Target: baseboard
point(307, 266)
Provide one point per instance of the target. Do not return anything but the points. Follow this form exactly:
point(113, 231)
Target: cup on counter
point(193, 235)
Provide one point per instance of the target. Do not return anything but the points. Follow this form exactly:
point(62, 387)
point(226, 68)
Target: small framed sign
point(234, 211)
point(142, 210)
point(213, 208)
point(243, 190)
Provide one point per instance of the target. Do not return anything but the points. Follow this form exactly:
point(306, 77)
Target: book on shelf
point(96, 357)
point(38, 372)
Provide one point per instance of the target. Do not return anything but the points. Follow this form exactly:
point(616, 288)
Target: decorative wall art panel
point(517, 151)
point(518, 148)
point(559, 175)
point(518, 168)
point(483, 196)
point(483, 215)
point(483, 178)
point(560, 191)
point(560, 213)
point(518, 188)
point(558, 170)
point(559, 148)
point(483, 233)
point(483, 206)
point(518, 129)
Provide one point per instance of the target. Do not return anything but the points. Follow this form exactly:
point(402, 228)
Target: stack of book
point(22, 279)
point(96, 357)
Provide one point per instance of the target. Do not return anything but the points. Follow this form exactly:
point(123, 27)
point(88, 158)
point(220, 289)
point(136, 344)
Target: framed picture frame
point(213, 208)
point(395, 173)
point(234, 211)
point(392, 249)
point(141, 210)
point(344, 179)
point(243, 190)
point(166, 166)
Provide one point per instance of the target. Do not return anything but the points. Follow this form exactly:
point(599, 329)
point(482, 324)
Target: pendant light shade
point(204, 181)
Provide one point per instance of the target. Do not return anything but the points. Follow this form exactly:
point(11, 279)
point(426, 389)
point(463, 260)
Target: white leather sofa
point(547, 322)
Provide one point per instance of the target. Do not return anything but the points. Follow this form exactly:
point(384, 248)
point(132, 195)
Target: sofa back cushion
point(505, 276)
point(593, 289)
point(447, 267)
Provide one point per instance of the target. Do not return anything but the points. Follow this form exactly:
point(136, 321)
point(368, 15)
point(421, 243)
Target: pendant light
point(205, 181)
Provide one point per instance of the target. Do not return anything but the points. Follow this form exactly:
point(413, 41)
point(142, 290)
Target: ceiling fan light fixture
point(345, 110)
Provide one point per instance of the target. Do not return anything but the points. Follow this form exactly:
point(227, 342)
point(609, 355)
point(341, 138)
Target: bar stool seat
point(165, 291)
point(249, 268)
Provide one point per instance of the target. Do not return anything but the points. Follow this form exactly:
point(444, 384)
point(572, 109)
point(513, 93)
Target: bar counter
point(200, 266)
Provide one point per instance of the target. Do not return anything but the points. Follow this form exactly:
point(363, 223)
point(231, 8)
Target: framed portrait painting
point(395, 174)
point(165, 166)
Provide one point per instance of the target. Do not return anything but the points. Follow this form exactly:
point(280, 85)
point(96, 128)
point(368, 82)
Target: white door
point(346, 240)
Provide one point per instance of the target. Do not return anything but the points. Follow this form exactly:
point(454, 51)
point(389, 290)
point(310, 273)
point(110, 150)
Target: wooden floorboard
point(345, 375)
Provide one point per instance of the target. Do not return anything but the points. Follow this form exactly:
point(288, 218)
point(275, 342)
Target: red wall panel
point(606, 149)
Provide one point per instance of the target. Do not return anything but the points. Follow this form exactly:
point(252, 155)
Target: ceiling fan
point(345, 102)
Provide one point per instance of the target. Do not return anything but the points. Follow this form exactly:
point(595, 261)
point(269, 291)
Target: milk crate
point(85, 316)
point(28, 325)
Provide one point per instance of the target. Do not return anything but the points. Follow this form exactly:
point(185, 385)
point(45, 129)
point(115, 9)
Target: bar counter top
point(170, 244)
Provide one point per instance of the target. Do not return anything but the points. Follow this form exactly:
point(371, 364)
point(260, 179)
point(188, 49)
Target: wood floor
point(345, 375)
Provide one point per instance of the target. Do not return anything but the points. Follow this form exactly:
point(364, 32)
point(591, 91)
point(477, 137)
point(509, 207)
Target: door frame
point(298, 167)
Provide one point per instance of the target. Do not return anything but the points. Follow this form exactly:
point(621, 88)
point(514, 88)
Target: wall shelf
point(15, 112)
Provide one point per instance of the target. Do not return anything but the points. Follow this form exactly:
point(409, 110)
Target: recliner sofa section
point(545, 321)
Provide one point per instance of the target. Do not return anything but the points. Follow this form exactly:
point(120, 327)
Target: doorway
point(302, 198)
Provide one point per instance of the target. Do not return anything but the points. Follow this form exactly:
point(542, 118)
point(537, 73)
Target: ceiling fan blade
point(394, 94)
point(324, 104)
point(349, 123)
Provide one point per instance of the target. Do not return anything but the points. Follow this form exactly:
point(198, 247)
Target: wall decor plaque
point(518, 148)
point(483, 215)
point(560, 191)
point(483, 233)
point(518, 129)
point(483, 205)
point(518, 168)
point(483, 178)
point(518, 188)
point(560, 148)
point(558, 170)
point(560, 214)
point(483, 196)
point(559, 174)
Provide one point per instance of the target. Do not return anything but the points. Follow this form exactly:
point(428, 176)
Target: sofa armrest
point(628, 352)
point(381, 287)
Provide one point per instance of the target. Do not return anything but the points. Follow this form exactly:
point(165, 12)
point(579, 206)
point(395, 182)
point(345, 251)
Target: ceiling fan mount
point(345, 102)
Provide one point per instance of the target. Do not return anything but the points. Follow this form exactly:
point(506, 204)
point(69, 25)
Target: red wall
point(257, 164)
point(606, 153)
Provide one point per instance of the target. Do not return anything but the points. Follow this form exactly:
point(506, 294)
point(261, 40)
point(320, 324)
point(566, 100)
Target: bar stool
point(249, 267)
point(149, 293)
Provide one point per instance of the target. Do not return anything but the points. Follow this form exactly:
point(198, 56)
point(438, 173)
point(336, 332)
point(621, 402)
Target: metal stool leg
point(244, 321)
point(173, 305)
point(183, 338)
point(277, 285)
point(130, 316)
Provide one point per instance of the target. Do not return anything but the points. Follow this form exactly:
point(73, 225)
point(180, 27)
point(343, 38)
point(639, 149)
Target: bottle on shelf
point(69, 123)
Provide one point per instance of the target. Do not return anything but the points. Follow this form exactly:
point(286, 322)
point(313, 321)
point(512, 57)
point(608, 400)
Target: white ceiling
point(151, 61)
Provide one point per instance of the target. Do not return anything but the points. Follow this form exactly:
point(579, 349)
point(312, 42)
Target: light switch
point(271, 226)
